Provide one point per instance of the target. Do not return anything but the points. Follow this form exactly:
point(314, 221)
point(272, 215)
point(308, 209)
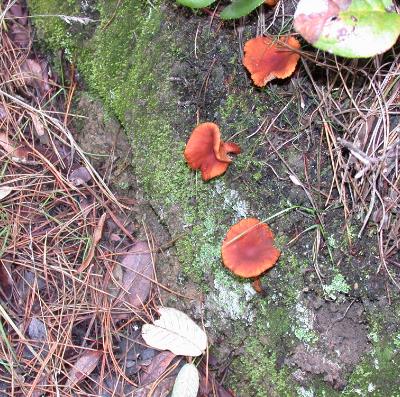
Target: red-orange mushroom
point(205, 151)
point(267, 58)
point(248, 249)
point(271, 3)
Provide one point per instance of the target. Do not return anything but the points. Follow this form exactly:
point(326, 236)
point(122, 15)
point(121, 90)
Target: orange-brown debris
point(207, 152)
point(248, 249)
point(267, 58)
point(270, 3)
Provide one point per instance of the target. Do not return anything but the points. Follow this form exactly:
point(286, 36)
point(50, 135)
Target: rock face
point(158, 69)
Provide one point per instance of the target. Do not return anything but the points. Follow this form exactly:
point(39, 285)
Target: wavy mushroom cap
point(266, 58)
point(207, 152)
point(248, 249)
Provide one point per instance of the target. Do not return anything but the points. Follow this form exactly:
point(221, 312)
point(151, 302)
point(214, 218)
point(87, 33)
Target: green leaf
point(364, 29)
point(240, 8)
point(195, 3)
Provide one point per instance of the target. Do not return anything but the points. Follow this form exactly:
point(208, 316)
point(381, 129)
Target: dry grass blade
point(98, 232)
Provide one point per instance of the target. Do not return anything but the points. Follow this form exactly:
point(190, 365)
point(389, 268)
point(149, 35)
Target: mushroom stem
point(257, 286)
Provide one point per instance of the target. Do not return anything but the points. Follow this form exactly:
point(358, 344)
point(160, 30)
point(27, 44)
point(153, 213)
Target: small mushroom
point(248, 249)
point(267, 58)
point(207, 152)
point(270, 3)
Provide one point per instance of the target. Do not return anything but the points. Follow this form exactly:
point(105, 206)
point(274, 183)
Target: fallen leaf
point(162, 389)
point(18, 12)
point(6, 281)
point(295, 180)
point(137, 273)
point(20, 35)
point(37, 329)
point(41, 389)
point(267, 58)
point(115, 238)
point(240, 8)
point(114, 287)
point(5, 143)
point(83, 367)
point(349, 28)
point(5, 191)
point(19, 30)
point(98, 232)
point(157, 366)
point(3, 112)
point(35, 74)
point(187, 382)
point(177, 332)
point(80, 176)
point(40, 130)
point(19, 154)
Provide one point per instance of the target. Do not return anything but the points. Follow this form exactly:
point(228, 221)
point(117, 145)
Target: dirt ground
point(327, 320)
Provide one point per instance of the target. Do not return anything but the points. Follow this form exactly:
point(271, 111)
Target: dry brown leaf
point(20, 35)
point(157, 366)
point(80, 176)
point(39, 129)
point(18, 12)
point(6, 281)
point(20, 154)
point(35, 75)
point(138, 273)
point(5, 143)
point(98, 232)
point(18, 28)
point(267, 58)
point(3, 112)
point(83, 367)
point(40, 389)
point(162, 389)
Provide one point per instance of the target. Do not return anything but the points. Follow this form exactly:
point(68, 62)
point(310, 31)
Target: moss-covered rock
point(159, 69)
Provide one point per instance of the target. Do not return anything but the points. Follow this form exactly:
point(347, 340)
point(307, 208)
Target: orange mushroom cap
point(267, 59)
point(270, 3)
point(248, 249)
point(206, 151)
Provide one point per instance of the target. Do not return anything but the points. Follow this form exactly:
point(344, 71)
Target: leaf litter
point(177, 332)
point(74, 280)
point(137, 273)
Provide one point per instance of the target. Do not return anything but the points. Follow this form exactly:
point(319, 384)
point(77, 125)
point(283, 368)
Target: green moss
point(259, 365)
point(119, 66)
point(378, 374)
point(56, 32)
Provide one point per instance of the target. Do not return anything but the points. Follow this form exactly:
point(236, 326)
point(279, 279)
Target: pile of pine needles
point(357, 109)
point(63, 330)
